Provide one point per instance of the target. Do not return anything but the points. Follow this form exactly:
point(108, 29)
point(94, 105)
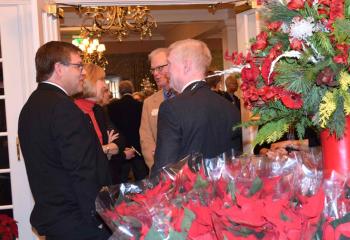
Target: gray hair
point(157, 51)
point(195, 50)
point(126, 86)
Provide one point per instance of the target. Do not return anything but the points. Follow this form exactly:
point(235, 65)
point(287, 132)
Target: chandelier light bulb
point(86, 41)
point(95, 42)
point(101, 48)
point(82, 47)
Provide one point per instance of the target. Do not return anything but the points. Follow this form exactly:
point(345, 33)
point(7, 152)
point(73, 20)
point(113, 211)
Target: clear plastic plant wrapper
point(254, 197)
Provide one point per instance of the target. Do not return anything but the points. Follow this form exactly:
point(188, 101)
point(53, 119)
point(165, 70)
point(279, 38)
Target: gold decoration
point(147, 86)
point(93, 51)
point(119, 21)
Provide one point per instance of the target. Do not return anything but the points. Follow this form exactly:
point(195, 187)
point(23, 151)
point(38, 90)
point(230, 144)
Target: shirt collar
point(189, 83)
point(56, 85)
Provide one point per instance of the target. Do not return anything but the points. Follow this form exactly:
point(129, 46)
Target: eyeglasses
point(77, 65)
point(158, 68)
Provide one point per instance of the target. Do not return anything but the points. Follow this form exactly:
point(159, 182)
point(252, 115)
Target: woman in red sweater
point(93, 92)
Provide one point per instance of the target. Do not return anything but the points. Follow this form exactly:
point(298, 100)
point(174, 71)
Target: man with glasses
point(148, 128)
point(64, 160)
point(198, 119)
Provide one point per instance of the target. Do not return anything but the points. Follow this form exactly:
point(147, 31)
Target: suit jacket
point(65, 164)
point(197, 120)
point(148, 128)
point(234, 99)
point(125, 114)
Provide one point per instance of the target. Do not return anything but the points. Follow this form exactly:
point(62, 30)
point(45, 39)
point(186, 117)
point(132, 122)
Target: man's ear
point(58, 69)
point(187, 66)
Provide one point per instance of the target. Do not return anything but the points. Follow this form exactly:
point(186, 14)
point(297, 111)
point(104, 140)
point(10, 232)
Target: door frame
point(17, 47)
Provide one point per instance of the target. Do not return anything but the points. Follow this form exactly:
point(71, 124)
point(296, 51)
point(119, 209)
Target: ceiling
point(200, 21)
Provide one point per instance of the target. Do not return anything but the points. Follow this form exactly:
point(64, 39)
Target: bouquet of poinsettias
point(256, 197)
point(8, 228)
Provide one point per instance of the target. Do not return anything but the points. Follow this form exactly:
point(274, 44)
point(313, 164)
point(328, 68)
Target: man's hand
point(129, 153)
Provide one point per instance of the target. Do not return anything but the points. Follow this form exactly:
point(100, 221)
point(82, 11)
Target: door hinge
point(18, 149)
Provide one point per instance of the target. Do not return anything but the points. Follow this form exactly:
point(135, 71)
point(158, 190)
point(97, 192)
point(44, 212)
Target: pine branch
point(292, 76)
point(342, 30)
point(322, 42)
point(347, 8)
point(309, 11)
point(275, 11)
point(271, 132)
point(313, 99)
point(337, 122)
point(279, 37)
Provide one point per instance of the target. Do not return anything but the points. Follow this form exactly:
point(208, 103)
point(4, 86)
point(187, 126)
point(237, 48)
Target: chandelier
point(92, 50)
point(118, 21)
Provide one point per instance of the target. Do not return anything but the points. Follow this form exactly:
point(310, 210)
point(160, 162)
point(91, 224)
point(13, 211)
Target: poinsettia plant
point(244, 198)
point(297, 72)
point(8, 228)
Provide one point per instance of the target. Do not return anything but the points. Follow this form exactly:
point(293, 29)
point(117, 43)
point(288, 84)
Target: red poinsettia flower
point(296, 4)
point(343, 229)
point(292, 100)
point(296, 44)
point(8, 228)
point(275, 51)
point(261, 42)
point(265, 71)
point(236, 58)
point(340, 59)
point(274, 26)
point(324, 2)
point(336, 12)
point(250, 74)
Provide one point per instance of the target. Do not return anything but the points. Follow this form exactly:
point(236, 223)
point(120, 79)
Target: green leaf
point(336, 122)
point(342, 237)
point(340, 221)
point(174, 235)
point(256, 186)
point(272, 131)
point(342, 30)
point(322, 43)
point(275, 11)
point(200, 182)
point(319, 232)
point(189, 216)
point(153, 234)
point(347, 9)
point(244, 232)
point(284, 217)
point(231, 189)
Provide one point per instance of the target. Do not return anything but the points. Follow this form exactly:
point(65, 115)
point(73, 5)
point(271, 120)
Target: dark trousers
point(81, 232)
point(138, 167)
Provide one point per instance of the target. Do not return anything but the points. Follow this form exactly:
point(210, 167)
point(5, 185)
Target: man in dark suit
point(198, 119)
point(64, 160)
point(231, 83)
point(125, 114)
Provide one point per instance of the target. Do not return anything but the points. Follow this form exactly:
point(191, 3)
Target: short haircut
point(195, 50)
point(157, 51)
point(125, 86)
point(51, 53)
point(232, 79)
point(93, 74)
